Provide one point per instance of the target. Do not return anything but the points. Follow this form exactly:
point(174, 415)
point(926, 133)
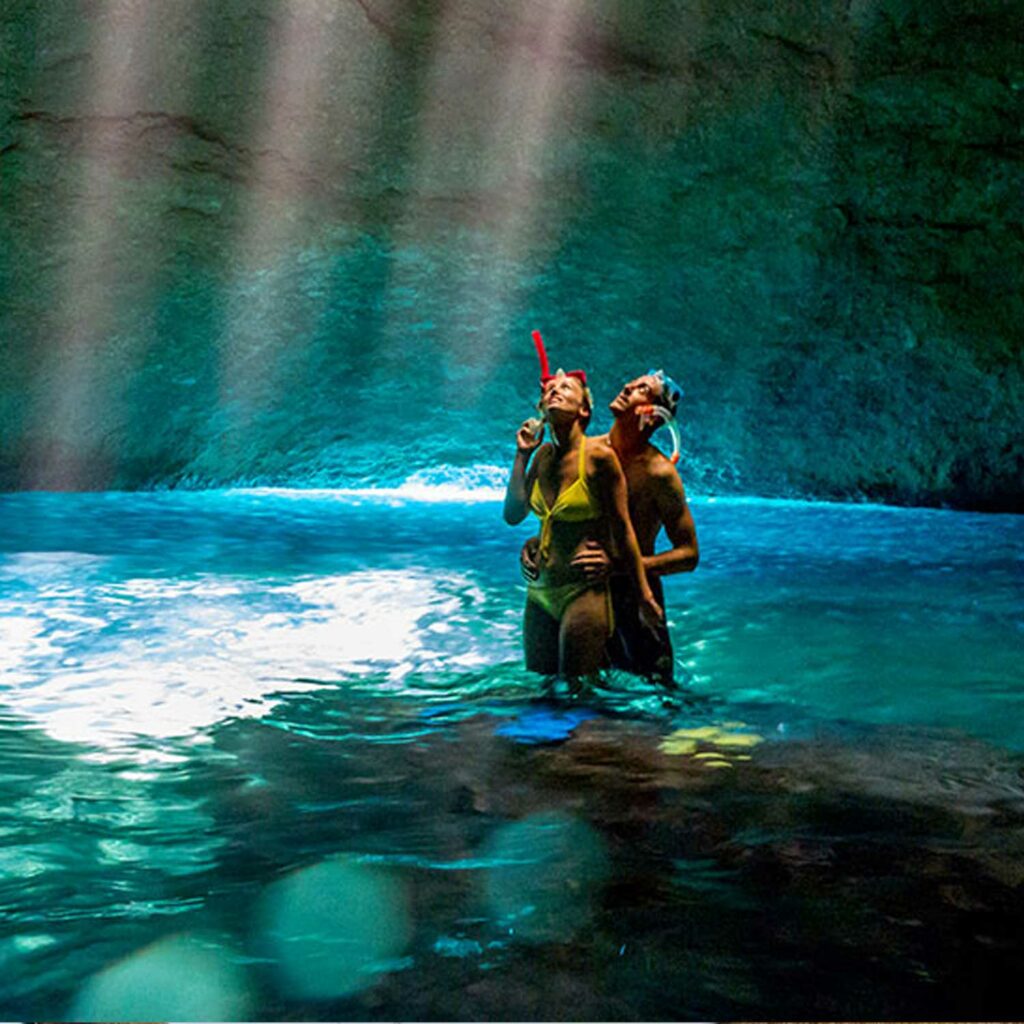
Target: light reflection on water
point(102, 661)
point(206, 694)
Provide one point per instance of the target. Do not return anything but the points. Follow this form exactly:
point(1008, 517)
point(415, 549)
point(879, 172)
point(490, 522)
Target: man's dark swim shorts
point(633, 647)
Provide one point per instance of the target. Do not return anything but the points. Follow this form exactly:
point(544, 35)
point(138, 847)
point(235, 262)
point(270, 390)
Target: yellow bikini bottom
point(555, 599)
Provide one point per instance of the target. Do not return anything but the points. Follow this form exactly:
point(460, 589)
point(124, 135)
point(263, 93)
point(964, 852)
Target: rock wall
point(304, 242)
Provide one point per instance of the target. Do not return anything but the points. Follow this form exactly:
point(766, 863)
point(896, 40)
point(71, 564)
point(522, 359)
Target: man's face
point(645, 390)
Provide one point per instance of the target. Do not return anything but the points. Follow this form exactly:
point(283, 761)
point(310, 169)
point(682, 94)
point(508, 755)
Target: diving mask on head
point(537, 424)
point(671, 393)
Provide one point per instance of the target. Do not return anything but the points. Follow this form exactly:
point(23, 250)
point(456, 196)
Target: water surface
point(237, 726)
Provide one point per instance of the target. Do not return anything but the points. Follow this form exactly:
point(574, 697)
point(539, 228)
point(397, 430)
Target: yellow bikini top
point(574, 505)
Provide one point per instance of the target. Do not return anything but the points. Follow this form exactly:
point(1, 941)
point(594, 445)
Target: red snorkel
point(537, 424)
point(545, 367)
point(542, 355)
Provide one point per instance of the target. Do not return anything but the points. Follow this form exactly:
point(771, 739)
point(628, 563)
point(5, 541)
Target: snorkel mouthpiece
point(650, 413)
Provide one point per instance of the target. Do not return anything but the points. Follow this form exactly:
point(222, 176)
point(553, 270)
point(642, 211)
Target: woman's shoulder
point(542, 456)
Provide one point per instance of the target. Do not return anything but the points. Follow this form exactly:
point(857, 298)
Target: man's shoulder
point(658, 466)
point(600, 449)
point(661, 480)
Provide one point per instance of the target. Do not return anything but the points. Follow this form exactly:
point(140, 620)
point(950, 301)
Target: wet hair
point(589, 399)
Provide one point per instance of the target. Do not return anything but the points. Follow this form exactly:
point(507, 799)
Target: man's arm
point(674, 511)
point(611, 484)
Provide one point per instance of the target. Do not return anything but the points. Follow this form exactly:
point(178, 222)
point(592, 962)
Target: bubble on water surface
point(543, 876)
point(184, 977)
point(332, 928)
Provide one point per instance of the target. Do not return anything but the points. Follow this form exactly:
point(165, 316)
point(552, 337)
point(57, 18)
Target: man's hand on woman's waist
point(591, 561)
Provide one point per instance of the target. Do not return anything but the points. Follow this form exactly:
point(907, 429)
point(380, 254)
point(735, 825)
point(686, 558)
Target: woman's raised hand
point(529, 436)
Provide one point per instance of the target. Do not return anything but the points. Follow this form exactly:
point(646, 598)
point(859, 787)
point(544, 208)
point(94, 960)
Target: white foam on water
point(441, 484)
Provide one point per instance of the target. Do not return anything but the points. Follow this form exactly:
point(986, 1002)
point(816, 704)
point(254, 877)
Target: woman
point(577, 489)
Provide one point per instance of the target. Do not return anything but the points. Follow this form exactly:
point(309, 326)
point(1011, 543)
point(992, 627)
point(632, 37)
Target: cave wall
point(304, 243)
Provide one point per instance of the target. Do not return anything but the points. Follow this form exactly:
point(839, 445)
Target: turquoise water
point(281, 743)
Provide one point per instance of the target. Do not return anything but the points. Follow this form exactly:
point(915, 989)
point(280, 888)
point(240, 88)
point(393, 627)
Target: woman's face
point(564, 396)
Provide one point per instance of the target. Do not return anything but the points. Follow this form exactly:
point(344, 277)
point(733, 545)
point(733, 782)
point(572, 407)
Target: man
point(656, 500)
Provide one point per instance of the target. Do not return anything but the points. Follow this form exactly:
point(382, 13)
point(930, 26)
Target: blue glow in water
point(544, 726)
point(156, 616)
point(206, 693)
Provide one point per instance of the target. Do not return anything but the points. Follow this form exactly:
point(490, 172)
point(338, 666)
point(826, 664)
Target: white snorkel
point(650, 414)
